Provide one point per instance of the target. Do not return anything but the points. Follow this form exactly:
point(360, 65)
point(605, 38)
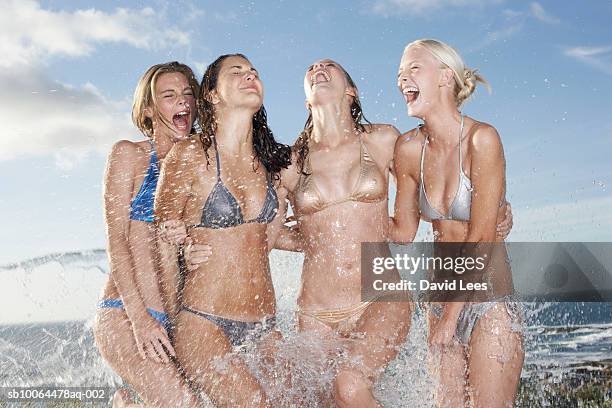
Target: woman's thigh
point(495, 359)
point(209, 363)
point(158, 384)
point(379, 334)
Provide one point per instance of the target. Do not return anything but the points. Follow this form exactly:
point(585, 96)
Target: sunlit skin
point(331, 238)
point(235, 282)
point(131, 341)
point(493, 380)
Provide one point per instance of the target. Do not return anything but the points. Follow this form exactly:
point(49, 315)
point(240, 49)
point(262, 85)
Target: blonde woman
point(451, 172)
point(131, 327)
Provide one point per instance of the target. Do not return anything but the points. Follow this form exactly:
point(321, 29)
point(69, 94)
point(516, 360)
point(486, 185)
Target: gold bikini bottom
point(343, 320)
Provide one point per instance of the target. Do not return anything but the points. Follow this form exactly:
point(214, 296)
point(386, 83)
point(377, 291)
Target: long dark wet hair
point(273, 155)
point(359, 120)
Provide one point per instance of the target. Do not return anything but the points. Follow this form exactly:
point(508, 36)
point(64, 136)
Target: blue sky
point(69, 69)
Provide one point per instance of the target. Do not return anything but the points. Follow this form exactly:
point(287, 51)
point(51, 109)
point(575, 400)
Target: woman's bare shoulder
point(484, 137)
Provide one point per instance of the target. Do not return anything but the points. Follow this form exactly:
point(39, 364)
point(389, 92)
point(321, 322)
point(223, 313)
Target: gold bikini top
point(370, 187)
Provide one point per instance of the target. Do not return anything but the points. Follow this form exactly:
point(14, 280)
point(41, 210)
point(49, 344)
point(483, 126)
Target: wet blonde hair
point(144, 95)
point(465, 78)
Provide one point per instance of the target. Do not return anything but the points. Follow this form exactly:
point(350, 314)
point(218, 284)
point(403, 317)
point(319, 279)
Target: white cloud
point(42, 116)
point(597, 57)
point(30, 33)
point(515, 21)
point(391, 7)
point(537, 11)
point(498, 35)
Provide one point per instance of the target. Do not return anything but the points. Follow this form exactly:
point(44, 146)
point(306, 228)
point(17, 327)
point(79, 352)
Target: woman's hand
point(291, 223)
point(195, 254)
point(443, 332)
point(151, 339)
point(173, 231)
point(505, 225)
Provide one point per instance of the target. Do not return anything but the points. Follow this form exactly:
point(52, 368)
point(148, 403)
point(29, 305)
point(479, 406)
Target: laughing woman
point(451, 172)
point(339, 179)
point(131, 327)
point(338, 190)
point(221, 186)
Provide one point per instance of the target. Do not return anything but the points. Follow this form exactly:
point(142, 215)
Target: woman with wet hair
point(132, 324)
point(339, 178)
point(338, 191)
point(221, 185)
point(451, 172)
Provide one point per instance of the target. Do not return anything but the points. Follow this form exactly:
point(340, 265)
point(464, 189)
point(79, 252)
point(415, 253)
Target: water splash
point(566, 343)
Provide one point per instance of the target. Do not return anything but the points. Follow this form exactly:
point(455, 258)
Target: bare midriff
point(235, 282)
point(331, 276)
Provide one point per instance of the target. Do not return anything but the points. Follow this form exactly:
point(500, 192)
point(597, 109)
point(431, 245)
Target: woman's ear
point(447, 77)
point(148, 112)
point(350, 91)
point(213, 97)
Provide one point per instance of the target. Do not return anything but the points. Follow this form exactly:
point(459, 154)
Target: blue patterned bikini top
point(141, 208)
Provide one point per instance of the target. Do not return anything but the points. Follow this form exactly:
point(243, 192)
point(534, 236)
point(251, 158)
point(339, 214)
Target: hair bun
point(469, 73)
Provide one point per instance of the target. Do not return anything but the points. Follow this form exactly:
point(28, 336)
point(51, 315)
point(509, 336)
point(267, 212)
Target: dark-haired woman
point(221, 185)
point(339, 180)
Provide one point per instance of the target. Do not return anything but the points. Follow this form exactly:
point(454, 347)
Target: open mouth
point(181, 120)
point(319, 77)
point(411, 94)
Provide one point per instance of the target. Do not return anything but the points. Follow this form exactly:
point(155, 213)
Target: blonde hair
point(465, 78)
point(144, 95)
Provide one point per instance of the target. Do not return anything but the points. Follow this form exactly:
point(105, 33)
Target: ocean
point(47, 306)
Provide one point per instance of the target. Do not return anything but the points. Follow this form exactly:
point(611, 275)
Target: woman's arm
point(288, 238)
point(276, 230)
point(143, 248)
point(404, 224)
point(118, 187)
point(487, 173)
point(175, 181)
point(173, 191)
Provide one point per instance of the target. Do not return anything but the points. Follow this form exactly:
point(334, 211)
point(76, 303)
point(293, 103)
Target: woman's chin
point(414, 111)
point(177, 136)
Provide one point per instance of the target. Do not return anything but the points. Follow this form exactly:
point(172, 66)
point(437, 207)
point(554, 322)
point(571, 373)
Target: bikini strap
point(422, 150)
point(214, 140)
point(153, 152)
point(307, 167)
point(362, 152)
point(461, 137)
